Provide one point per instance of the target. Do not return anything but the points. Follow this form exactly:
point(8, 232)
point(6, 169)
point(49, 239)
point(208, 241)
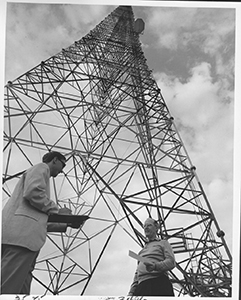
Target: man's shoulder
point(38, 168)
point(40, 165)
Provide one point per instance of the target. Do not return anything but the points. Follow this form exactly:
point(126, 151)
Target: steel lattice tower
point(98, 103)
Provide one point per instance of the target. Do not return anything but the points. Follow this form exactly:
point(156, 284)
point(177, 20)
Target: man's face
point(150, 229)
point(58, 166)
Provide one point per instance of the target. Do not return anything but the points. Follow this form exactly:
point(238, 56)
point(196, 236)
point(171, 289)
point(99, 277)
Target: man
point(24, 223)
point(151, 277)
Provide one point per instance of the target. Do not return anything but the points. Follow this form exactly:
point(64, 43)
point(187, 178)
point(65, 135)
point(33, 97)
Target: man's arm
point(56, 227)
point(35, 190)
point(59, 227)
point(165, 265)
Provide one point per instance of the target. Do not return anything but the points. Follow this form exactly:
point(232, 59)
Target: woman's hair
point(51, 155)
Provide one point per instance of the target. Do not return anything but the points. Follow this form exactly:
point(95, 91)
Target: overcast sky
point(190, 50)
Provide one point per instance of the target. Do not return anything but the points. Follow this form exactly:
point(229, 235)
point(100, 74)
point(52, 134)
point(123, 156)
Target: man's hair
point(51, 155)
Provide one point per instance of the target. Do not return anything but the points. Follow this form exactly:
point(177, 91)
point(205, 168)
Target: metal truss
point(98, 103)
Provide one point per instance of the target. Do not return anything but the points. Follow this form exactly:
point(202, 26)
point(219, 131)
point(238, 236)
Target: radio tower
point(98, 103)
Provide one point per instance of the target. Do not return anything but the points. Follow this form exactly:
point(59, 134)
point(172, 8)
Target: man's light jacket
point(25, 215)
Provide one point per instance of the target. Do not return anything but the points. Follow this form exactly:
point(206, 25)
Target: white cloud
point(177, 28)
point(192, 98)
point(220, 194)
point(168, 23)
point(87, 15)
point(203, 118)
point(203, 112)
point(35, 32)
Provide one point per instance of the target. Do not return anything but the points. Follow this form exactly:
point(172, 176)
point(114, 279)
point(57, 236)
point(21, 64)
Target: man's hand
point(74, 225)
point(150, 266)
point(65, 211)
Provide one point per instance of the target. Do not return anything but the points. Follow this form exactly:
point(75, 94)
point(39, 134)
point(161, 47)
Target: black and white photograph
point(120, 149)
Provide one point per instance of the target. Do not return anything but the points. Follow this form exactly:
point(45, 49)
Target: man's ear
point(54, 160)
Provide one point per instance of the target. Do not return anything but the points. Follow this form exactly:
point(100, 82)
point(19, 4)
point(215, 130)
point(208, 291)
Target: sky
point(191, 51)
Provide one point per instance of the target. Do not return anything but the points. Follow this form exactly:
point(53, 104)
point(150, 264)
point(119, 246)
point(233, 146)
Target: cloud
point(202, 115)
point(203, 109)
point(36, 32)
point(85, 17)
point(182, 27)
point(184, 98)
point(170, 23)
point(220, 193)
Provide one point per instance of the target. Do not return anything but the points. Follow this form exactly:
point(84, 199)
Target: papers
point(72, 219)
point(137, 257)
